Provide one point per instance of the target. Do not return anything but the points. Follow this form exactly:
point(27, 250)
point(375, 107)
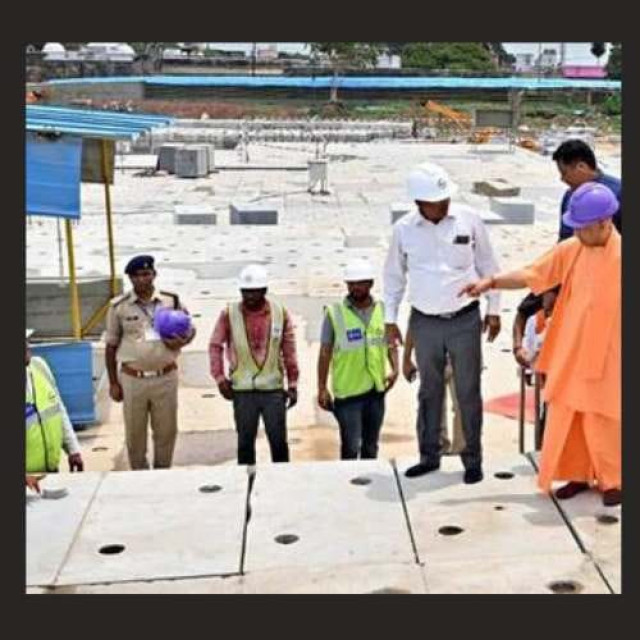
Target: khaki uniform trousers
point(157, 398)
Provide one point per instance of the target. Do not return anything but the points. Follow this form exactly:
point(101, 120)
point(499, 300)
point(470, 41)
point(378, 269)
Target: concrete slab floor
point(504, 516)
point(51, 525)
point(296, 512)
point(160, 524)
point(352, 579)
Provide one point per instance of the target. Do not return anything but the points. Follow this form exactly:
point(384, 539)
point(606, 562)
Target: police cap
point(139, 262)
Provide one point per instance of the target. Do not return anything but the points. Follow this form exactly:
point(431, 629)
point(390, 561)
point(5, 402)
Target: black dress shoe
point(471, 476)
point(421, 469)
point(612, 497)
point(571, 489)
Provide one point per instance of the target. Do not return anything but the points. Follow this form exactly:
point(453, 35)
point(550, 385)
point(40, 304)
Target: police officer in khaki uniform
point(148, 380)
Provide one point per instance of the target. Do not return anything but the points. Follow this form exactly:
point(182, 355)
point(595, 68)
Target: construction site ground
point(352, 538)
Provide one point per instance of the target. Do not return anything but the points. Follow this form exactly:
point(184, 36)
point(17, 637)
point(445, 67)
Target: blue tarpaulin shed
point(53, 173)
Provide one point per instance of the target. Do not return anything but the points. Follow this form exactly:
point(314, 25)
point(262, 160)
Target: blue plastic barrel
point(72, 366)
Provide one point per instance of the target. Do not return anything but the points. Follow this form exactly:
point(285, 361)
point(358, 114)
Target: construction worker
point(148, 381)
point(353, 344)
point(582, 351)
point(49, 428)
point(258, 336)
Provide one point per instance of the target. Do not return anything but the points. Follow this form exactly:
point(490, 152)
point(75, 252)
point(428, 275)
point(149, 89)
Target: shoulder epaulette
point(121, 298)
point(174, 296)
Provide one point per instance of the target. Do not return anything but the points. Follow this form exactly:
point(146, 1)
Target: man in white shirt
point(439, 248)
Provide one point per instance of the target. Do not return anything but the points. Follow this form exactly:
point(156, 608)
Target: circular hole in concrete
point(607, 519)
point(390, 591)
point(503, 475)
point(208, 395)
point(565, 586)
point(506, 310)
point(450, 530)
point(505, 350)
point(361, 480)
point(111, 549)
point(286, 538)
point(292, 266)
point(209, 488)
point(196, 315)
point(204, 293)
point(244, 250)
point(499, 507)
point(100, 449)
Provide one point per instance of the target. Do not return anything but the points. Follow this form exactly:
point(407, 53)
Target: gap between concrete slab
point(573, 530)
point(247, 516)
point(78, 529)
point(406, 511)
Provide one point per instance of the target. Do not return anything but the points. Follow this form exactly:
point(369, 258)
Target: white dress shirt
point(439, 260)
point(70, 442)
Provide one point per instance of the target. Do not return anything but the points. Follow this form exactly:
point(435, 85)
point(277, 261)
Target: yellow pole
point(73, 284)
point(107, 199)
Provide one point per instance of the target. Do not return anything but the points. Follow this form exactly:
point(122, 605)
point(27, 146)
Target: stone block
point(496, 188)
point(191, 162)
point(194, 214)
point(398, 210)
point(514, 210)
point(252, 214)
point(167, 157)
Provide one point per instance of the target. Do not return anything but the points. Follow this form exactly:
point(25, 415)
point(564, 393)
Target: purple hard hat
point(171, 322)
point(589, 203)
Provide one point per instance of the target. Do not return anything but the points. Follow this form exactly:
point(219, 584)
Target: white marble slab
point(168, 527)
point(337, 522)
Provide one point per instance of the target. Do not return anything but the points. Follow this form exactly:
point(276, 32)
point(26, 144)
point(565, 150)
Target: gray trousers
point(459, 337)
point(248, 407)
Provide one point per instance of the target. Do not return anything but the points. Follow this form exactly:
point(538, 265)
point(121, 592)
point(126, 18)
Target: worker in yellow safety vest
point(48, 427)
point(354, 346)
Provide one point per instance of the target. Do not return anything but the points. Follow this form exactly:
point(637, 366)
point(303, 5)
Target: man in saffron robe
point(581, 355)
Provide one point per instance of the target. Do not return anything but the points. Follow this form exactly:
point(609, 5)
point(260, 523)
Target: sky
point(576, 52)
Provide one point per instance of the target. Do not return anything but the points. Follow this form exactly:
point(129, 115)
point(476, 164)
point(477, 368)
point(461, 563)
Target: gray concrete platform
point(52, 525)
point(599, 530)
point(336, 522)
point(499, 518)
point(169, 528)
point(347, 579)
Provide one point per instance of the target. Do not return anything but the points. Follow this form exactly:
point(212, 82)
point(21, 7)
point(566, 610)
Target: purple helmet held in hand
point(169, 323)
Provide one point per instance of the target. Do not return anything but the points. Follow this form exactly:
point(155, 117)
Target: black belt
point(450, 316)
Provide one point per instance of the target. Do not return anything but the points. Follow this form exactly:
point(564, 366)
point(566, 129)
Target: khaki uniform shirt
point(130, 328)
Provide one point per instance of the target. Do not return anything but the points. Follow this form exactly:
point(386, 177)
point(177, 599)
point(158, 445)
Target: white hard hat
point(430, 183)
point(358, 270)
point(253, 276)
point(29, 333)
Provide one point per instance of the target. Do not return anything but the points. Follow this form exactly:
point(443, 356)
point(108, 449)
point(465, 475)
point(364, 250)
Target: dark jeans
point(248, 407)
point(360, 420)
point(460, 338)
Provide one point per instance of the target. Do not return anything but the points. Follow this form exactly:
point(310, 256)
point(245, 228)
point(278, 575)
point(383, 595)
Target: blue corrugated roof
point(91, 123)
point(357, 82)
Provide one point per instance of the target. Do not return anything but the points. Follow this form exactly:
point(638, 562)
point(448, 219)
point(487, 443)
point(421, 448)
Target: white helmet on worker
point(430, 183)
point(358, 270)
point(253, 276)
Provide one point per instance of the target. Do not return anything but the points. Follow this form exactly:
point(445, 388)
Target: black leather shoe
point(612, 497)
point(471, 476)
point(421, 469)
point(571, 489)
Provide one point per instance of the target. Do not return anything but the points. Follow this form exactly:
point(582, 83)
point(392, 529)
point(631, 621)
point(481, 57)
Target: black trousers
point(460, 338)
point(248, 408)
